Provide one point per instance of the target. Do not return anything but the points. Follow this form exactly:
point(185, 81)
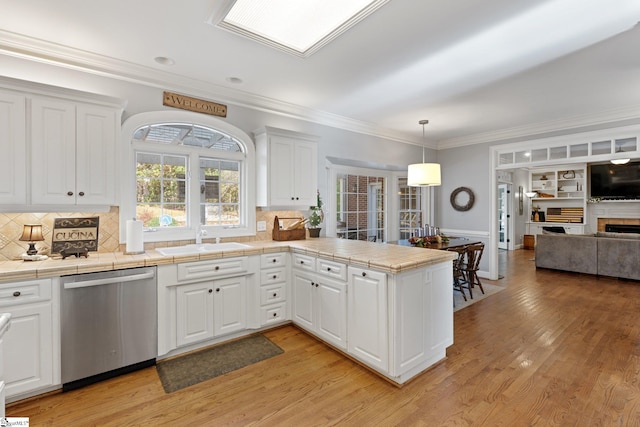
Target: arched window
point(186, 173)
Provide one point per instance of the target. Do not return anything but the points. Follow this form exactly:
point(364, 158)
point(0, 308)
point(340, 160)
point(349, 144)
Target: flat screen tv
point(615, 182)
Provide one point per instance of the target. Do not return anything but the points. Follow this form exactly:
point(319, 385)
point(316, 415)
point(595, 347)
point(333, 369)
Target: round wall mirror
point(462, 199)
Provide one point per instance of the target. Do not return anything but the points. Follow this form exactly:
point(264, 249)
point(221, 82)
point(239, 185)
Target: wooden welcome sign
point(193, 104)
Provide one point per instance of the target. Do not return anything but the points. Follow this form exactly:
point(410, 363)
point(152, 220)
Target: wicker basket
point(284, 235)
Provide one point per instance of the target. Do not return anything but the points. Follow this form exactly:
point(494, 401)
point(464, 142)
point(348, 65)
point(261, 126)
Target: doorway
point(504, 215)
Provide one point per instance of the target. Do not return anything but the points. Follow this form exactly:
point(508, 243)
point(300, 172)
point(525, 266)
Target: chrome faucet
point(199, 233)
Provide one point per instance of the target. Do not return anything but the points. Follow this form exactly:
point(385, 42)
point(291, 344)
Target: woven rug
point(203, 365)
point(459, 303)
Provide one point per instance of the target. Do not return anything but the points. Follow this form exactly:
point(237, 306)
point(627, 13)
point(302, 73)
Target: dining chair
point(470, 268)
point(458, 273)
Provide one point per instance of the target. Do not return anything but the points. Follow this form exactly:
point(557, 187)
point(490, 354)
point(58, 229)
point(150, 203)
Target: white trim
point(127, 190)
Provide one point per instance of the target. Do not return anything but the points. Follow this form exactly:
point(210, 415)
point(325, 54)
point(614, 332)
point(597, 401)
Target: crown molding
point(42, 51)
point(571, 125)
point(37, 50)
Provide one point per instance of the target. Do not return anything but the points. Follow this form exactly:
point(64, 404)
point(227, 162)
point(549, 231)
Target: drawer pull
point(275, 314)
point(364, 274)
point(328, 268)
point(275, 276)
point(275, 295)
point(16, 294)
point(274, 260)
point(217, 268)
point(301, 262)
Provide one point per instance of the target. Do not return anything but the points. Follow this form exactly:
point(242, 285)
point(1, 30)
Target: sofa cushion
point(567, 252)
point(632, 236)
point(619, 258)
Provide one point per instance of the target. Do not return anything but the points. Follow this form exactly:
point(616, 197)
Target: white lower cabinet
point(204, 300)
point(209, 309)
point(368, 318)
point(32, 343)
point(320, 306)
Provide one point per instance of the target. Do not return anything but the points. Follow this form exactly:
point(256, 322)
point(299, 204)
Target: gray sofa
point(605, 254)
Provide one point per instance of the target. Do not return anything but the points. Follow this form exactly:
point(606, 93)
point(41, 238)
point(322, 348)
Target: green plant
point(316, 216)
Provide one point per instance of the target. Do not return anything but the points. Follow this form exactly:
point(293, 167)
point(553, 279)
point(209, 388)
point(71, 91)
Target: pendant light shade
point(423, 174)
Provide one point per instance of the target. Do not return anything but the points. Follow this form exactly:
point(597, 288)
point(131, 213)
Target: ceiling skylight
point(295, 26)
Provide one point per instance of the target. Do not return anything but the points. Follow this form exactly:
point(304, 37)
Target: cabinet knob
point(16, 294)
point(69, 193)
point(217, 289)
point(312, 284)
point(301, 262)
point(210, 291)
point(275, 295)
point(217, 268)
point(292, 198)
point(275, 276)
point(316, 285)
point(274, 260)
point(328, 268)
point(364, 274)
point(297, 198)
point(81, 193)
point(275, 314)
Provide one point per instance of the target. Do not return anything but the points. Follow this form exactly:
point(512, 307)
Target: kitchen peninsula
point(388, 307)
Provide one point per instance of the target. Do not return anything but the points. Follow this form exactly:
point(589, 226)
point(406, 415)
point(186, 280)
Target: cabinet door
point(331, 314)
point(13, 146)
point(53, 151)
point(194, 312)
point(367, 317)
point(28, 349)
point(303, 285)
point(95, 155)
point(281, 171)
point(305, 176)
point(229, 305)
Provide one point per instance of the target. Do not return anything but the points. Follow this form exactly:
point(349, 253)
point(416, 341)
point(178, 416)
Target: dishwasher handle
point(108, 280)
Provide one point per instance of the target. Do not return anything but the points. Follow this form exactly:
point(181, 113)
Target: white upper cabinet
point(13, 146)
point(73, 152)
point(287, 166)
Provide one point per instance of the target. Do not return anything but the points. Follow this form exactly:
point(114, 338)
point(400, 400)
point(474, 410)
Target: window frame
point(128, 175)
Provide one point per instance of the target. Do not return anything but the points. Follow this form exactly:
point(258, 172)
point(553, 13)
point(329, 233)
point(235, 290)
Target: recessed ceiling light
point(294, 26)
point(163, 60)
point(234, 80)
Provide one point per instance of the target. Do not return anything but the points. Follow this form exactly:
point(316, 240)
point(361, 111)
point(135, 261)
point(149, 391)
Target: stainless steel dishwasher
point(109, 324)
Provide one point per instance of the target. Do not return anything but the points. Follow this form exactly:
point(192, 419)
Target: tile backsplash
point(11, 225)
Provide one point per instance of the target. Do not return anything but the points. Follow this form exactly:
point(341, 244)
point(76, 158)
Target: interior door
point(503, 215)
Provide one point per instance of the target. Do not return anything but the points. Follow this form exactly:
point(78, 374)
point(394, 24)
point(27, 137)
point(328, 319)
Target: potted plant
point(316, 216)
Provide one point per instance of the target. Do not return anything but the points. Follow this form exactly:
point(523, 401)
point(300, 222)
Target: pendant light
point(622, 161)
point(423, 174)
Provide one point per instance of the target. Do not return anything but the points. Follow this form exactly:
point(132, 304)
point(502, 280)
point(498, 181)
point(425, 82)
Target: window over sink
point(188, 172)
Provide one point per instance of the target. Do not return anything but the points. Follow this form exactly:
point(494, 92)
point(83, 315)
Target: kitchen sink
point(205, 247)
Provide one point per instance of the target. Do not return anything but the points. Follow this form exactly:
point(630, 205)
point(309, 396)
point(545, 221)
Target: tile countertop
point(383, 257)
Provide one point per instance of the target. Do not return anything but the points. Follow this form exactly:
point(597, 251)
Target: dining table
point(453, 242)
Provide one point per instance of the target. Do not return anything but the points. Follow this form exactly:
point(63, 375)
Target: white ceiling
point(477, 69)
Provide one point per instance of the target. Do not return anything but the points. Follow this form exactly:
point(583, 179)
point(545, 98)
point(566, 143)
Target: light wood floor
point(552, 349)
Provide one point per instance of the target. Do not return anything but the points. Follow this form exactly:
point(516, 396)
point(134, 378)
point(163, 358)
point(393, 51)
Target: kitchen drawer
point(212, 269)
point(336, 270)
point(25, 292)
point(272, 294)
point(275, 313)
point(273, 260)
point(304, 262)
point(276, 275)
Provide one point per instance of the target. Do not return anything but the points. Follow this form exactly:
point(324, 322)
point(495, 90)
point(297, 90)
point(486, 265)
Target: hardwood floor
point(553, 348)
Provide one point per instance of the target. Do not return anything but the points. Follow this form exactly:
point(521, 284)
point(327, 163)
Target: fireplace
point(622, 228)
point(625, 225)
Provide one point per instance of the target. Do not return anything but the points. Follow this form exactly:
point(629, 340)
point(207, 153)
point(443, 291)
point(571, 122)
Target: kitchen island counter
point(381, 257)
